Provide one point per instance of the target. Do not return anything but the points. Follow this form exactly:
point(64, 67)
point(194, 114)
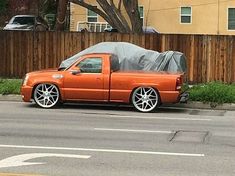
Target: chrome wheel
point(46, 95)
point(145, 99)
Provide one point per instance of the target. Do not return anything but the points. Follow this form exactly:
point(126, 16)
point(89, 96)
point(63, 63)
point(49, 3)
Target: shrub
point(10, 86)
point(213, 92)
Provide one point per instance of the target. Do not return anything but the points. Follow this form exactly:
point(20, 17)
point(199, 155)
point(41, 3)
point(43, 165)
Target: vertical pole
point(218, 17)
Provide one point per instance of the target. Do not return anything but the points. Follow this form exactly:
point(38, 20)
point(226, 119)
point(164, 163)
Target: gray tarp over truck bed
point(132, 57)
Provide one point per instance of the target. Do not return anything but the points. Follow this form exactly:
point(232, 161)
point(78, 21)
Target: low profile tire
point(46, 95)
point(145, 99)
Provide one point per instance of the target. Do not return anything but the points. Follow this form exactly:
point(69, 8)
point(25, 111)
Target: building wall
point(208, 17)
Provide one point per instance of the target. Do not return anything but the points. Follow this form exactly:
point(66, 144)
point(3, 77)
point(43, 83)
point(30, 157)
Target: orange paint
point(106, 86)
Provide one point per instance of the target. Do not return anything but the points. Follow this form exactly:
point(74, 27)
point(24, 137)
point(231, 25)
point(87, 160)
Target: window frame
point(142, 18)
point(232, 7)
point(190, 15)
point(88, 16)
point(77, 65)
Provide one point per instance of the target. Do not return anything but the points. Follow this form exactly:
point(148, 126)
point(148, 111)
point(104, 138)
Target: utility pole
point(218, 17)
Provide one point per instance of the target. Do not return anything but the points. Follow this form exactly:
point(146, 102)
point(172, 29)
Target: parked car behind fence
point(27, 23)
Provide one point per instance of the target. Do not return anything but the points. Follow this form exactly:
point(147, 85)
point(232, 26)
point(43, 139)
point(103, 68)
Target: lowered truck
point(96, 78)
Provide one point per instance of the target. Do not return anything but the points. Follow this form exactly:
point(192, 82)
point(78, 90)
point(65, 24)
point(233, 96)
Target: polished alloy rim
point(145, 99)
point(46, 95)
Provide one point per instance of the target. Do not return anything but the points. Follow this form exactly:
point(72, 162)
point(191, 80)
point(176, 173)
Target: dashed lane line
point(16, 174)
point(134, 131)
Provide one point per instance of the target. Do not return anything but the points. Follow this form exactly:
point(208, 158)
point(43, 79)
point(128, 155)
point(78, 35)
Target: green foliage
point(48, 10)
point(10, 86)
point(48, 7)
point(3, 6)
point(213, 93)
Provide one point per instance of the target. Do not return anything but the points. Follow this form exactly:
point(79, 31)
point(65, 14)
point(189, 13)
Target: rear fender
point(150, 85)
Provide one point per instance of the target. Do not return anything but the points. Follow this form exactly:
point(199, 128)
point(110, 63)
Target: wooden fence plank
point(233, 60)
point(8, 61)
point(5, 44)
point(12, 58)
point(210, 58)
point(1, 53)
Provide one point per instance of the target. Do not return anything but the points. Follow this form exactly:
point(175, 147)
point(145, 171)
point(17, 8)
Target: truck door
point(88, 84)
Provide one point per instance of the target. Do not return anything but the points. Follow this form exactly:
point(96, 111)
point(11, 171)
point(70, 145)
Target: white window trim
point(230, 7)
point(96, 23)
point(143, 14)
point(191, 15)
point(91, 17)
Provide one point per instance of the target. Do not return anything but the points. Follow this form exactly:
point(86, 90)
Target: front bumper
point(26, 93)
point(183, 98)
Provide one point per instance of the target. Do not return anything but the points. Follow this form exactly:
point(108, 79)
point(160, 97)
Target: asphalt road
point(81, 140)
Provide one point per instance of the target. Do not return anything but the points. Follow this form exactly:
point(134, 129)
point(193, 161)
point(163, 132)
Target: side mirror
point(6, 22)
point(75, 71)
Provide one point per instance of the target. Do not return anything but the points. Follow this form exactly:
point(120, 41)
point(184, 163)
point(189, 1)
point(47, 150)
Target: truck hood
point(47, 71)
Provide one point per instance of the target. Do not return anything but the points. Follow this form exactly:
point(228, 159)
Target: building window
point(231, 18)
point(141, 11)
point(92, 16)
point(186, 15)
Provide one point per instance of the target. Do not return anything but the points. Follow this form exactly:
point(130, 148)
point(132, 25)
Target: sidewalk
point(192, 105)
point(200, 105)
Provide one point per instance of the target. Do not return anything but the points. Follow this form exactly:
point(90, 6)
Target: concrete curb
point(200, 105)
point(10, 98)
point(189, 105)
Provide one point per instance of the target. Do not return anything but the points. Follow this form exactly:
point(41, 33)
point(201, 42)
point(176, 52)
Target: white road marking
point(135, 131)
point(161, 118)
point(19, 160)
point(104, 150)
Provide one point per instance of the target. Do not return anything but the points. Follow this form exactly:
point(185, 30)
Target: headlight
point(25, 80)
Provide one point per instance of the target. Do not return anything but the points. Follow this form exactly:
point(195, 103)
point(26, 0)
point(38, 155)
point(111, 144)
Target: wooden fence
point(209, 58)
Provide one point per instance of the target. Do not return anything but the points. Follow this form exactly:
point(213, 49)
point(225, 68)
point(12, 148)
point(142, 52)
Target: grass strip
point(10, 86)
point(212, 92)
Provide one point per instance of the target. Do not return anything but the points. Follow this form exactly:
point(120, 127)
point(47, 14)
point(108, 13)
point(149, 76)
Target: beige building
point(170, 16)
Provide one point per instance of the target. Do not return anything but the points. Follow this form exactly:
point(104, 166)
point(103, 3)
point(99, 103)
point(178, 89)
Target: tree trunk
point(61, 15)
point(117, 10)
point(114, 16)
point(132, 10)
point(119, 24)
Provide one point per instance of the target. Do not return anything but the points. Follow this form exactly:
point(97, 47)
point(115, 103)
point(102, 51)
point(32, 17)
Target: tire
point(46, 95)
point(145, 99)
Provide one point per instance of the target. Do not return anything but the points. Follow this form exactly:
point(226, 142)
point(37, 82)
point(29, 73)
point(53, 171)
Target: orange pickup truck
point(97, 78)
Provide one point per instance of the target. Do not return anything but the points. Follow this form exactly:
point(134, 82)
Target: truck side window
point(90, 65)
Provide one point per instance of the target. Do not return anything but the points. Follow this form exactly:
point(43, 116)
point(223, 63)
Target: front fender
point(58, 82)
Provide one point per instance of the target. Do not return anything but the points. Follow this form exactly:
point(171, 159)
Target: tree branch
point(94, 9)
point(113, 15)
point(132, 10)
point(119, 5)
point(120, 16)
point(118, 24)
